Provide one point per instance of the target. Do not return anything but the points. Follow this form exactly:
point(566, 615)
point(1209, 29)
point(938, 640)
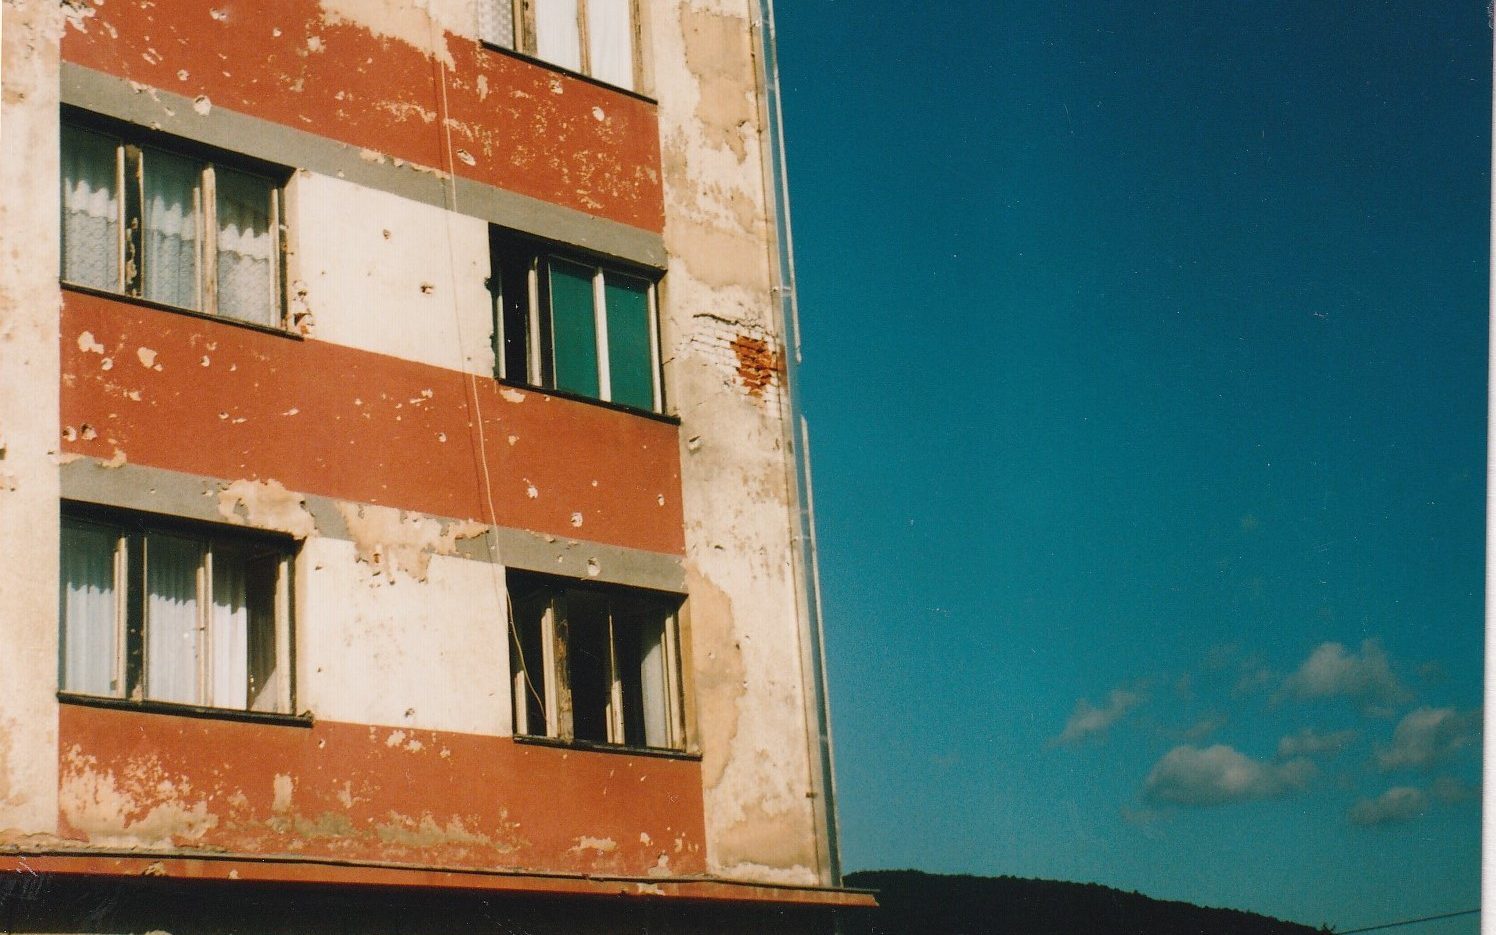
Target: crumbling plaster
point(720, 327)
point(422, 24)
point(29, 302)
point(386, 274)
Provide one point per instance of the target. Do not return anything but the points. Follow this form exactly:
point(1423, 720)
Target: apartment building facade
point(398, 473)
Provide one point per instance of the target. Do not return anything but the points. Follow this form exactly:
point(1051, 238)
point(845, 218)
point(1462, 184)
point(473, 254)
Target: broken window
point(169, 227)
point(590, 37)
point(565, 323)
point(155, 611)
point(594, 664)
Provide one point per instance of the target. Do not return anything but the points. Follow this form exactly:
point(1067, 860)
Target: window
point(569, 324)
point(594, 664)
point(186, 614)
point(181, 230)
point(591, 37)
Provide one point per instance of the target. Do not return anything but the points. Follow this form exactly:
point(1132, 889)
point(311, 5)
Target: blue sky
point(1146, 371)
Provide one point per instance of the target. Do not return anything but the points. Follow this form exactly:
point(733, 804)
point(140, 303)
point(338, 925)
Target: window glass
point(204, 623)
point(262, 582)
point(90, 209)
point(607, 669)
point(229, 631)
point(171, 618)
point(574, 328)
point(246, 247)
point(527, 661)
point(496, 22)
point(171, 209)
point(569, 323)
point(510, 285)
point(589, 666)
point(610, 46)
point(87, 609)
point(648, 634)
point(630, 357)
point(557, 38)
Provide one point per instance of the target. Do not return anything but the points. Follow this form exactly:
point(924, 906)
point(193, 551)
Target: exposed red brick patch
point(759, 365)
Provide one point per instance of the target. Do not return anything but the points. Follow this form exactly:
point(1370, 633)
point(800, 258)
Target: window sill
point(178, 310)
point(561, 69)
point(666, 417)
point(587, 745)
point(187, 710)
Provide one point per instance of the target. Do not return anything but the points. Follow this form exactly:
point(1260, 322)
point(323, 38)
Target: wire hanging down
point(1393, 925)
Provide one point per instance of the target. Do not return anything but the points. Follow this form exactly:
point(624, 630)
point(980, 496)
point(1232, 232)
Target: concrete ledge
point(195, 497)
point(177, 866)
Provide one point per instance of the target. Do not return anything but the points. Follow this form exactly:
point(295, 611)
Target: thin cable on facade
point(449, 189)
point(1393, 925)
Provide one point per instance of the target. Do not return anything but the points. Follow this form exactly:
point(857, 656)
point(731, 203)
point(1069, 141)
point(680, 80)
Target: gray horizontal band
point(277, 143)
point(195, 497)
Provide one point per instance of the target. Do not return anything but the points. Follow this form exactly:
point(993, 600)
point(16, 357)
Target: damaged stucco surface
point(224, 402)
point(396, 79)
point(407, 657)
point(364, 792)
point(28, 417)
point(721, 331)
point(390, 275)
point(404, 637)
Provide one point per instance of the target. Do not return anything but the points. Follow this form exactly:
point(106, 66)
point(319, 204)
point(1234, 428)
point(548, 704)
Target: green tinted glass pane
point(573, 328)
point(629, 365)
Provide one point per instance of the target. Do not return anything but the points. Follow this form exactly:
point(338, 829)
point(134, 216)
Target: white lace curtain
point(496, 22)
point(173, 229)
point(90, 209)
point(246, 267)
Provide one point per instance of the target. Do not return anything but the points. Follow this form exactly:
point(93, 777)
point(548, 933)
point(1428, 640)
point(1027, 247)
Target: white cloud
point(1428, 736)
point(1204, 727)
point(1087, 720)
point(1399, 803)
point(1332, 671)
point(1220, 775)
point(1310, 742)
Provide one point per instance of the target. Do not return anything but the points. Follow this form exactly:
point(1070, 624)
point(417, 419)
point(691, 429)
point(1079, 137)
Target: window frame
point(130, 667)
point(550, 687)
point(525, 265)
point(524, 40)
point(132, 144)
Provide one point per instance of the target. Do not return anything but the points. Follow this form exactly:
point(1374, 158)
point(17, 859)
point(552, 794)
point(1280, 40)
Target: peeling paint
point(422, 24)
point(283, 788)
point(98, 804)
point(266, 505)
point(600, 845)
point(718, 53)
point(390, 540)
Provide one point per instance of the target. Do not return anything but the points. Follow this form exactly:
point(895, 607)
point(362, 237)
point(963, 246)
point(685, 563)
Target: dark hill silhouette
point(916, 903)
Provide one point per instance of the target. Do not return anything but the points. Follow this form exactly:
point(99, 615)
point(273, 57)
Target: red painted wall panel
point(364, 793)
point(527, 128)
point(229, 402)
